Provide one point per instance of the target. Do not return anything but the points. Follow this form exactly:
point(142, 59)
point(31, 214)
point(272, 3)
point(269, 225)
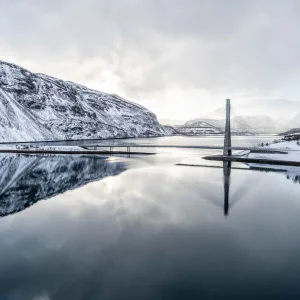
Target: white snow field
point(291, 147)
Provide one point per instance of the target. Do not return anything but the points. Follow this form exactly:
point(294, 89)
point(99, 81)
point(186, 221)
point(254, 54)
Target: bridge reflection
point(226, 179)
point(228, 201)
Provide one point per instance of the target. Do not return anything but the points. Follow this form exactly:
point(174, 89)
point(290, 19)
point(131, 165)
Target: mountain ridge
point(36, 106)
point(239, 125)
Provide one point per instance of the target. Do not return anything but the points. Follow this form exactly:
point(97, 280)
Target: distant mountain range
point(40, 107)
point(239, 125)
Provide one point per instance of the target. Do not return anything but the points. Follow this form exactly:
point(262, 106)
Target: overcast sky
point(181, 59)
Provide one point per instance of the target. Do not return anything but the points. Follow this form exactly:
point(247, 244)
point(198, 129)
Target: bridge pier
point(227, 138)
point(227, 164)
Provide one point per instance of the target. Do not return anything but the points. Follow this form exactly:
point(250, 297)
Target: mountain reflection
point(292, 173)
point(26, 180)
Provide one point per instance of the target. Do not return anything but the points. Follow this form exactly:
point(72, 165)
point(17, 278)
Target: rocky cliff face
point(40, 107)
point(26, 180)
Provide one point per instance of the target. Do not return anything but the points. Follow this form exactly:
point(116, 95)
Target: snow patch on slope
point(293, 154)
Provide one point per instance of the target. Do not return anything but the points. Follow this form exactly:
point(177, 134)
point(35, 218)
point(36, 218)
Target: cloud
point(145, 48)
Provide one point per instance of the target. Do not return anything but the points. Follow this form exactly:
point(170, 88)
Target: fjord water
point(145, 228)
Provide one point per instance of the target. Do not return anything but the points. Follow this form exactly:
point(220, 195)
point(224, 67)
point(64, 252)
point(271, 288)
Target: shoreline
point(127, 138)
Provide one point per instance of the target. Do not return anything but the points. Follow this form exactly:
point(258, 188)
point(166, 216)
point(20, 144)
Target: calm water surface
point(75, 227)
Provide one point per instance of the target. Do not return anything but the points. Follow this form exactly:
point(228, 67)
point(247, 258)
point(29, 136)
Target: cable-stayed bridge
point(131, 148)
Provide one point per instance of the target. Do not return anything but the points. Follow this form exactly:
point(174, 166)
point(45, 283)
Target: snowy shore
point(291, 147)
point(42, 148)
point(293, 154)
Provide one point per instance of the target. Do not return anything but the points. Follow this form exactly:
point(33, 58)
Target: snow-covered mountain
point(239, 125)
point(202, 127)
point(40, 107)
point(27, 179)
point(257, 124)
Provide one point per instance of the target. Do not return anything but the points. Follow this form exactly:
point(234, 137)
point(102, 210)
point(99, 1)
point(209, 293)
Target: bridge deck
point(264, 161)
point(207, 147)
point(80, 152)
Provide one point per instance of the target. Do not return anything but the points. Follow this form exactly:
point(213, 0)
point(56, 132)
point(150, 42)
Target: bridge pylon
point(227, 137)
